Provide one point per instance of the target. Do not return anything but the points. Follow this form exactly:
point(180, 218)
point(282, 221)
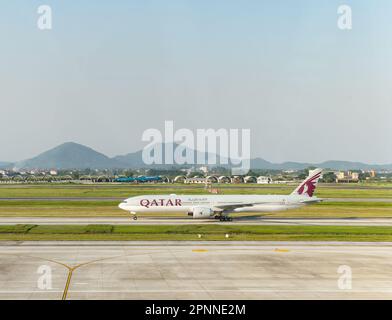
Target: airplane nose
point(122, 205)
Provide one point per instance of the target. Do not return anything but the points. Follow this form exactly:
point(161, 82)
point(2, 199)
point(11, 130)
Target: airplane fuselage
point(187, 203)
point(207, 206)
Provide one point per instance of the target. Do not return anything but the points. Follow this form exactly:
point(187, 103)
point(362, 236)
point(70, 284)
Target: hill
point(72, 155)
point(68, 155)
point(5, 165)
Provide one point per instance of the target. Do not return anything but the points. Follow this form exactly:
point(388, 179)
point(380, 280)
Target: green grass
point(69, 229)
point(191, 232)
point(57, 203)
point(338, 210)
point(360, 204)
point(105, 208)
point(53, 208)
point(98, 228)
point(18, 228)
point(125, 191)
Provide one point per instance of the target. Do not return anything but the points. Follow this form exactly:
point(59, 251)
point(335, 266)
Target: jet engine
point(201, 213)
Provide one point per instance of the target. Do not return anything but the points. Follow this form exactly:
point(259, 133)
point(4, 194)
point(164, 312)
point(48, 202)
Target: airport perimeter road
point(180, 221)
point(195, 270)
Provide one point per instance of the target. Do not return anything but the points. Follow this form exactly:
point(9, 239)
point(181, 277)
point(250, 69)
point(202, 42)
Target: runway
point(181, 221)
point(195, 270)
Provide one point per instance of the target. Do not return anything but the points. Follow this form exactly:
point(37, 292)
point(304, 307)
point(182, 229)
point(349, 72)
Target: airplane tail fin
point(307, 187)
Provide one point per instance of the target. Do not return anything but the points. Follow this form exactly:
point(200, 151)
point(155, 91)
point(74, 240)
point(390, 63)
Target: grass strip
point(192, 232)
point(17, 228)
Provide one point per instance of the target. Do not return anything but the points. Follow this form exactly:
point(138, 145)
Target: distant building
point(347, 177)
point(264, 180)
point(180, 179)
point(224, 179)
point(195, 180)
point(53, 172)
point(204, 169)
point(237, 179)
point(250, 179)
point(212, 179)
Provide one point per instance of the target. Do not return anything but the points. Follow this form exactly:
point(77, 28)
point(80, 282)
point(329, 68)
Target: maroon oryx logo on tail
point(309, 185)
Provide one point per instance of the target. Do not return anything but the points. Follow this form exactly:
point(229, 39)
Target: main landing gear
point(225, 218)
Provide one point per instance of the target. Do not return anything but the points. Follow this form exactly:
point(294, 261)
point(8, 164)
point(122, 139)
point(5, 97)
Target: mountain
point(71, 155)
point(68, 155)
point(259, 163)
point(5, 165)
point(131, 160)
point(347, 165)
point(135, 159)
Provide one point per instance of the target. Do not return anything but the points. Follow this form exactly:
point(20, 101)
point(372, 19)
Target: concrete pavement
point(155, 270)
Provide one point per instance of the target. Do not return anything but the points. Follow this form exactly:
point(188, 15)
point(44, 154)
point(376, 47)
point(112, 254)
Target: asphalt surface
point(195, 270)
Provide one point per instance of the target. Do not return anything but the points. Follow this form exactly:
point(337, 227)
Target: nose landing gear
point(134, 216)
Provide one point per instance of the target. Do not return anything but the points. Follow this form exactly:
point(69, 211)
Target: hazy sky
point(107, 71)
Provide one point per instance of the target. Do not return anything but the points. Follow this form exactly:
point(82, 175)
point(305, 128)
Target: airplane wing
point(311, 200)
point(229, 207)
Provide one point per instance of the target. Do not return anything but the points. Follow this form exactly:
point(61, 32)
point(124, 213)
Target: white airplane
point(220, 206)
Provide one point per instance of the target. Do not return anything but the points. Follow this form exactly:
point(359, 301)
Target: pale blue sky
point(107, 71)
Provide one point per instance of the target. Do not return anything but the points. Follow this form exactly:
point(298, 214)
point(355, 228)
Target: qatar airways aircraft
point(220, 206)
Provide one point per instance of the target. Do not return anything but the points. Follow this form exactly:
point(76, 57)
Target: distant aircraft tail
point(307, 187)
